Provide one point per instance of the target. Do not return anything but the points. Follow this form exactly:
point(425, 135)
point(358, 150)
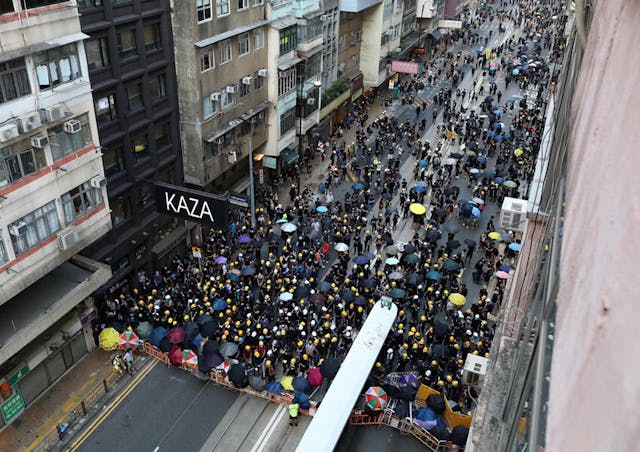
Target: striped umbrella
point(189, 359)
point(376, 398)
point(128, 340)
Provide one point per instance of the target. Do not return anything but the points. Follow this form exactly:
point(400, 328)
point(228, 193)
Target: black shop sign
point(192, 205)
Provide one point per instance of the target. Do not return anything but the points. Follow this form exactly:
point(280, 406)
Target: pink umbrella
point(502, 275)
point(175, 355)
point(176, 335)
point(315, 377)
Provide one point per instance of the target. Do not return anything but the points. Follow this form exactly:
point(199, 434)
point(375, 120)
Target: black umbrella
point(237, 375)
point(438, 351)
point(391, 390)
point(451, 190)
point(329, 368)
point(441, 329)
point(272, 237)
point(165, 345)
point(367, 283)
point(459, 435)
point(439, 212)
point(208, 329)
point(347, 295)
point(409, 248)
point(456, 155)
point(317, 298)
point(387, 239)
point(453, 244)
point(212, 359)
point(210, 347)
point(256, 383)
point(301, 292)
point(191, 330)
point(414, 279)
point(440, 432)
point(324, 286)
point(256, 244)
point(433, 235)
point(360, 301)
point(408, 394)
point(470, 242)
point(436, 403)
point(453, 228)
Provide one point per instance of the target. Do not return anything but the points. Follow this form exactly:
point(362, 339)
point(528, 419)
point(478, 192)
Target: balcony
point(355, 6)
point(306, 48)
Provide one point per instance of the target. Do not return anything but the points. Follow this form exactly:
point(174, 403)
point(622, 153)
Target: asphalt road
point(374, 439)
point(169, 409)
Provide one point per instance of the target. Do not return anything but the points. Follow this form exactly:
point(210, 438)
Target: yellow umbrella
point(457, 299)
point(109, 339)
point(418, 209)
point(287, 383)
point(495, 235)
point(518, 152)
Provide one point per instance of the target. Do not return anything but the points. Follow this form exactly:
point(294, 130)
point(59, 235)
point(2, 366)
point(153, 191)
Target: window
point(6, 6)
point(222, 7)
point(86, 4)
point(203, 8)
point(127, 45)
point(244, 89)
point(257, 2)
point(97, 53)
point(228, 139)
point(287, 120)
point(288, 39)
point(79, 201)
point(243, 44)
point(245, 128)
point(224, 51)
point(119, 210)
point(259, 119)
point(14, 81)
point(158, 87)
point(209, 107)
point(38, 226)
point(4, 257)
point(56, 66)
point(37, 3)
point(140, 146)
point(162, 133)
point(134, 98)
point(19, 160)
point(113, 161)
point(226, 99)
point(211, 149)
point(152, 37)
point(206, 60)
point(243, 4)
point(105, 108)
point(145, 197)
point(258, 39)
point(63, 143)
point(286, 81)
point(257, 81)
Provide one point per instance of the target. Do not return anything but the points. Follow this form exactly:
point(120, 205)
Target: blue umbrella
point(213, 359)
point(419, 189)
point(274, 387)
point(496, 125)
point(481, 159)
point(357, 186)
point(322, 209)
point(491, 133)
point(157, 335)
point(499, 137)
point(302, 400)
point(232, 277)
point(504, 268)
point(361, 260)
point(219, 305)
point(467, 209)
point(515, 71)
point(497, 112)
point(507, 136)
point(248, 271)
point(423, 163)
point(498, 180)
point(434, 275)
point(408, 380)
point(476, 212)
point(420, 183)
point(301, 384)
point(244, 239)
point(514, 246)
point(397, 293)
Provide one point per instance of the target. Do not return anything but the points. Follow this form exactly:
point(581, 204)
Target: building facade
point(331, 33)
point(221, 63)
point(130, 59)
point(53, 199)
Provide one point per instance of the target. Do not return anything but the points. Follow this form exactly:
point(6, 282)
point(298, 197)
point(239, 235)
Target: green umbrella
point(412, 258)
point(144, 330)
point(510, 184)
point(450, 265)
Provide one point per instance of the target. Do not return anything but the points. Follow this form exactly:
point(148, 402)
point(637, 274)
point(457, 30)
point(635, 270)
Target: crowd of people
point(295, 288)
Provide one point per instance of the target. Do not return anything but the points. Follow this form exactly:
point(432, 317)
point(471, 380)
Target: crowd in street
point(295, 288)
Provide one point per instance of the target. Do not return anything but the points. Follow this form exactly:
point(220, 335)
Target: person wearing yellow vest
point(293, 414)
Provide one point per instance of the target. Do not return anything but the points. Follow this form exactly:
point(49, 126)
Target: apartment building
point(53, 198)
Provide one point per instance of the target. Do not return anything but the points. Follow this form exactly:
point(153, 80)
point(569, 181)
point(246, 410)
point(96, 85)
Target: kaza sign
point(192, 205)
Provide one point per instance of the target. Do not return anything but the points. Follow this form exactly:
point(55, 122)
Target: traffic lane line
point(268, 429)
point(103, 415)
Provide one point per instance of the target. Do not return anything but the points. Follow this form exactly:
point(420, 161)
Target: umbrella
point(395, 275)
point(272, 237)
point(421, 183)
point(322, 209)
point(361, 260)
point(341, 247)
point(414, 279)
point(397, 293)
point(301, 292)
point(208, 329)
point(244, 239)
point(144, 330)
point(376, 398)
point(191, 330)
point(391, 261)
point(256, 243)
point(436, 403)
point(433, 234)
point(237, 375)
point(165, 345)
point(392, 249)
point(248, 271)
point(423, 163)
point(228, 349)
point(450, 265)
point(301, 399)
point(157, 335)
point(434, 275)
point(476, 212)
point(453, 228)
point(498, 180)
point(232, 276)
point(478, 201)
point(409, 248)
point(330, 367)
point(176, 335)
point(286, 296)
point(281, 221)
point(286, 383)
point(301, 384)
point(315, 377)
point(457, 299)
point(347, 295)
point(219, 304)
point(204, 318)
point(408, 380)
point(502, 274)
point(412, 258)
point(452, 189)
point(357, 186)
point(489, 173)
point(210, 347)
point(257, 383)
point(360, 301)
point(175, 355)
point(109, 339)
point(441, 329)
point(453, 244)
point(221, 260)
point(367, 283)
point(518, 152)
point(128, 340)
point(514, 246)
point(419, 189)
point(470, 242)
point(417, 209)
point(324, 286)
point(504, 268)
point(189, 359)
point(510, 184)
point(495, 235)
point(288, 227)
point(459, 435)
point(450, 161)
point(212, 360)
point(317, 298)
point(274, 387)
point(456, 155)
point(474, 171)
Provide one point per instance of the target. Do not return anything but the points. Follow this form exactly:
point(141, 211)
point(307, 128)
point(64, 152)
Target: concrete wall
point(595, 394)
point(370, 45)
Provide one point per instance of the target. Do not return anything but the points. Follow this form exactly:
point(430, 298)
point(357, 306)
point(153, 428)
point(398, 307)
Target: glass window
point(203, 9)
point(287, 121)
point(152, 37)
point(258, 39)
point(64, 143)
point(243, 4)
point(245, 128)
point(79, 201)
point(222, 7)
point(86, 4)
point(19, 160)
point(259, 119)
point(37, 3)
point(288, 39)
point(6, 6)
point(158, 87)
point(14, 81)
point(209, 107)
point(206, 60)
point(226, 99)
point(257, 2)
point(119, 210)
point(97, 53)
point(243, 44)
point(4, 257)
point(224, 51)
point(35, 228)
point(134, 97)
point(146, 194)
point(140, 146)
point(112, 160)
point(56, 66)
point(162, 134)
point(257, 81)
point(127, 49)
point(286, 81)
point(105, 108)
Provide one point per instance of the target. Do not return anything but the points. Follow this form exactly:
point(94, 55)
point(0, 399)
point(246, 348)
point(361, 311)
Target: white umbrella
point(288, 227)
point(341, 247)
point(478, 200)
point(474, 170)
point(450, 162)
point(286, 296)
point(392, 261)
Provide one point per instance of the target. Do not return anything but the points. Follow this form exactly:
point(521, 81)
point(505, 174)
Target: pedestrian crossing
point(421, 102)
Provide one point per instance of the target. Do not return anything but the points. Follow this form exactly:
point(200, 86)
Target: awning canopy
point(285, 22)
point(288, 63)
point(255, 110)
point(43, 45)
point(289, 155)
point(222, 130)
point(436, 35)
point(229, 34)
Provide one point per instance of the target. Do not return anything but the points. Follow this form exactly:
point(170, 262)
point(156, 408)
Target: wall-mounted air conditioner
point(18, 229)
point(233, 157)
point(98, 181)
point(72, 126)
point(232, 89)
point(247, 80)
point(67, 238)
point(214, 97)
point(53, 113)
point(513, 214)
point(263, 72)
point(39, 141)
point(8, 132)
point(27, 123)
point(311, 100)
point(475, 368)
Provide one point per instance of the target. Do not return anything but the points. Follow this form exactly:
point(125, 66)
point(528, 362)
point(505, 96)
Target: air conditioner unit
point(8, 132)
point(233, 157)
point(72, 126)
point(231, 89)
point(39, 141)
point(513, 214)
point(18, 229)
point(398, 49)
point(219, 140)
point(263, 72)
point(247, 80)
point(323, 17)
point(53, 113)
point(29, 122)
point(311, 100)
point(475, 368)
point(214, 97)
point(98, 181)
point(67, 239)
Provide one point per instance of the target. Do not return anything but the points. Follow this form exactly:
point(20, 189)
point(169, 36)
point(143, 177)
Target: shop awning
point(255, 110)
point(289, 155)
point(222, 130)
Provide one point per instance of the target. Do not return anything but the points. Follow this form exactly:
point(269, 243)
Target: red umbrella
point(175, 355)
point(315, 377)
point(176, 335)
point(128, 340)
